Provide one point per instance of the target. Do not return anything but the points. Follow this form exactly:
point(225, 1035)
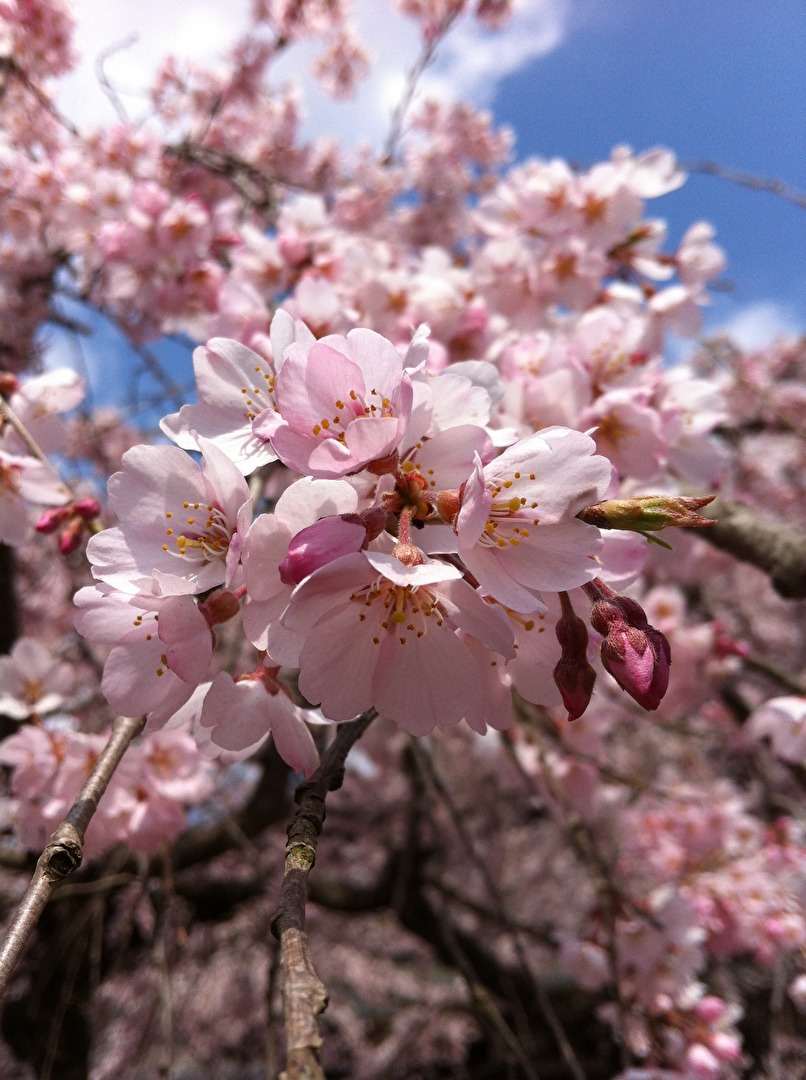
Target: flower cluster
point(144, 806)
point(413, 566)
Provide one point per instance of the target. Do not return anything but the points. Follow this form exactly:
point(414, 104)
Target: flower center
point(357, 405)
point(400, 610)
point(509, 514)
point(205, 537)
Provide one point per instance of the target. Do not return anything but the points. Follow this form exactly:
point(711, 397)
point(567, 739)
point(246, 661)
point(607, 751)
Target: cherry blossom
point(517, 529)
point(341, 403)
point(32, 680)
point(182, 529)
point(378, 632)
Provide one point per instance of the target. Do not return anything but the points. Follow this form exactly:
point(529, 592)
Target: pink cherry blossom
point(32, 680)
point(381, 633)
point(517, 528)
point(783, 720)
point(235, 384)
point(25, 479)
point(341, 403)
point(242, 713)
point(182, 529)
point(152, 669)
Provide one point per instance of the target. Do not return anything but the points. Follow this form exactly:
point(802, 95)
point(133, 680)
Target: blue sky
point(710, 79)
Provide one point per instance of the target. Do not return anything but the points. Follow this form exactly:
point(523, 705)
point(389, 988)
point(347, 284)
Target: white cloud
point(758, 323)
point(468, 66)
point(200, 30)
point(474, 61)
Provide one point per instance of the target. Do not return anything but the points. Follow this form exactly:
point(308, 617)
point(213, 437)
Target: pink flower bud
point(87, 509)
point(70, 536)
point(636, 654)
point(52, 518)
point(319, 544)
point(703, 1064)
point(709, 1009)
point(725, 1046)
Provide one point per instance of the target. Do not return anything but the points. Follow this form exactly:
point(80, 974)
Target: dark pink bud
point(52, 518)
point(321, 543)
point(70, 536)
point(573, 674)
point(87, 509)
point(636, 654)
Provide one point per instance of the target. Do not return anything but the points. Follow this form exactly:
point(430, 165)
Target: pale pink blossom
point(628, 431)
point(377, 632)
point(783, 720)
point(25, 479)
point(234, 384)
point(517, 527)
point(300, 506)
point(241, 714)
point(181, 528)
point(161, 648)
point(32, 680)
point(37, 403)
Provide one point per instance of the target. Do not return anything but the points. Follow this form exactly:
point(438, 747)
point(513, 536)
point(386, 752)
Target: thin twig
point(104, 80)
point(551, 1018)
point(65, 850)
point(748, 180)
point(412, 79)
point(304, 994)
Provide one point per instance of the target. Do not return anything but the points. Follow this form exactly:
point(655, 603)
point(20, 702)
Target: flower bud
point(573, 674)
point(87, 509)
point(70, 536)
point(636, 654)
point(52, 518)
point(321, 543)
point(648, 514)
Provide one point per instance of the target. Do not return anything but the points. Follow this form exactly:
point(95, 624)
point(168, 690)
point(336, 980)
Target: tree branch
point(65, 850)
point(304, 995)
point(748, 180)
point(778, 550)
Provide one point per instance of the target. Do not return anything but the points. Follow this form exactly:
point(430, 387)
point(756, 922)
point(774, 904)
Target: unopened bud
point(573, 674)
point(70, 536)
point(649, 513)
point(52, 518)
point(321, 543)
point(87, 509)
point(636, 654)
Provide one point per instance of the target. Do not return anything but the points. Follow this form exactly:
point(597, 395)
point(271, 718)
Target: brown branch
point(778, 550)
point(304, 995)
point(65, 850)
